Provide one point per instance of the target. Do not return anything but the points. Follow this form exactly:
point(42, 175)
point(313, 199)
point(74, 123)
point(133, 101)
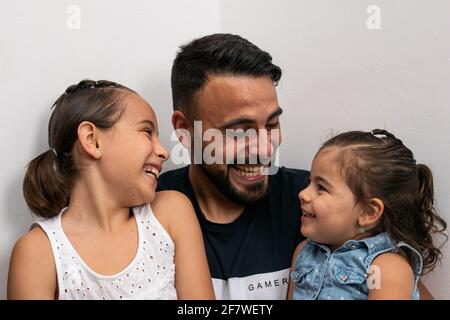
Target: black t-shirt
point(250, 257)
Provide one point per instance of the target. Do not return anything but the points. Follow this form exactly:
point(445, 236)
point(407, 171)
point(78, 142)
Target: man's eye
point(273, 125)
point(238, 133)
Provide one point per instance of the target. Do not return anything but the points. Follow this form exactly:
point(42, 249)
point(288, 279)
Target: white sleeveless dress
point(151, 274)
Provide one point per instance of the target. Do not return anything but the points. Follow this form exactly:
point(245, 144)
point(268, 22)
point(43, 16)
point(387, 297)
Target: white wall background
point(132, 42)
point(338, 76)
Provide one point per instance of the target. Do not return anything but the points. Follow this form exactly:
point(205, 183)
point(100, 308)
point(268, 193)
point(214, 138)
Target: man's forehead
point(229, 117)
point(225, 98)
point(242, 86)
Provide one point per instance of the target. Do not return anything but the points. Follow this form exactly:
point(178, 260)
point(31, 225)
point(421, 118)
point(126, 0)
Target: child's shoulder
point(393, 263)
point(172, 197)
point(166, 202)
point(395, 276)
point(32, 262)
point(34, 242)
point(173, 208)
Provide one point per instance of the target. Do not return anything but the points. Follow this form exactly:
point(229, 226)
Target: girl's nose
point(304, 196)
point(161, 152)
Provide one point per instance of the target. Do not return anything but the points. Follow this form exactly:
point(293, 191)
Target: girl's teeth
point(152, 171)
point(156, 173)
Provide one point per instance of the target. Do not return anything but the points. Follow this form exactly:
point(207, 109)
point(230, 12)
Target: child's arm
point(32, 272)
point(192, 276)
point(396, 278)
point(294, 260)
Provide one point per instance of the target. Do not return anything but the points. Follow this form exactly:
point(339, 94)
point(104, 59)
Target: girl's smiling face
point(330, 212)
point(132, 155)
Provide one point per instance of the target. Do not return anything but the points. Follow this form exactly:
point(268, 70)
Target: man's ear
point(89, 139)
point(183, 128)
point(180, 121)
point(372, 213)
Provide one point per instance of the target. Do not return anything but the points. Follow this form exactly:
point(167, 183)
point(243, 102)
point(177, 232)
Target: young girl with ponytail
point(369, 218)
point(106, 233)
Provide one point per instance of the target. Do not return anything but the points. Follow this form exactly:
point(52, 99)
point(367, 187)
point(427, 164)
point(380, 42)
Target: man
point(250, 220)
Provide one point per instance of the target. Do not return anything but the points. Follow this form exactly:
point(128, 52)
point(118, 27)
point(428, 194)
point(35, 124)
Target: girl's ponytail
point(425, 195)
point(45, 190)
point(430, 222)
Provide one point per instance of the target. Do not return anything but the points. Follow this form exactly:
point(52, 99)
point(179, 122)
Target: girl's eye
point(321, 188)
point(148, 131)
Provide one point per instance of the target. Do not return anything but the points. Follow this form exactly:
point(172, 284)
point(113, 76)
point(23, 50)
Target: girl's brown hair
point(378, 165)
point(49, 177)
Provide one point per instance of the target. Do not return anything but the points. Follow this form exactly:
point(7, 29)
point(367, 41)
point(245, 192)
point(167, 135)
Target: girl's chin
point(309, 234)
point(150, 197)
point(305, 232)
point(144, 197)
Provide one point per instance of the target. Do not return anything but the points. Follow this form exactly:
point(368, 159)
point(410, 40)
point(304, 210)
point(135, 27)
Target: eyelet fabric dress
point(150, 275)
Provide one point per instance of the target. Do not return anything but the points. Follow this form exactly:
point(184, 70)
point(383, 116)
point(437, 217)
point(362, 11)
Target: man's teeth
point(248, 171)
point(152, 170)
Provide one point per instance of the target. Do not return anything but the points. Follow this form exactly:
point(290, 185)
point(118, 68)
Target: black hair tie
point(88, 84)
point(376, 132)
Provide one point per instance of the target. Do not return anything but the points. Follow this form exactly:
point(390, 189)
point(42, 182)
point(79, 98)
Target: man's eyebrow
point(244, 120)
point(275, 114)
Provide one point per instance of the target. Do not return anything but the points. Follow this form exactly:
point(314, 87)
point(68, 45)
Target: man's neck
point(214, 205)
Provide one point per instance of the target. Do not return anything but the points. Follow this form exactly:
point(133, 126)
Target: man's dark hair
point(226, 54)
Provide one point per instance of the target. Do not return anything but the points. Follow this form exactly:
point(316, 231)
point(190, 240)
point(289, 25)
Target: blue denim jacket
point(322, 274)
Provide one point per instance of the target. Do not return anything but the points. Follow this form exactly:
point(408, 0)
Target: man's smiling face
point(239, 102)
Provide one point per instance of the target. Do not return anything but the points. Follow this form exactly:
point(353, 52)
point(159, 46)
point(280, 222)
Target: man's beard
point(221, 180)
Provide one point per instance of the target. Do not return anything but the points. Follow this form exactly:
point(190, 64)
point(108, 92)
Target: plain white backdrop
point(338, 75)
